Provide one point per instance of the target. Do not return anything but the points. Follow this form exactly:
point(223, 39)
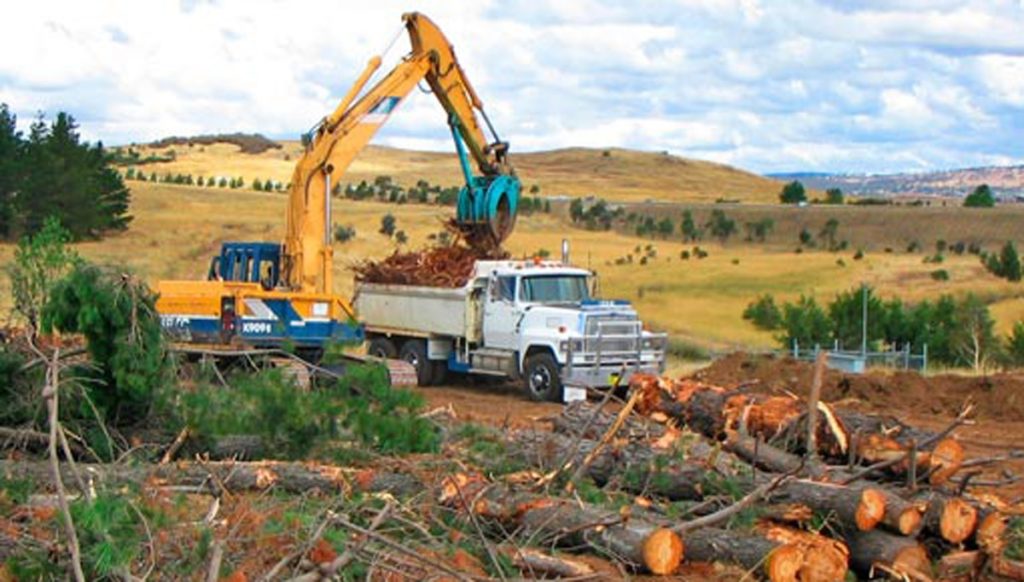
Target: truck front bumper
point(607, 375)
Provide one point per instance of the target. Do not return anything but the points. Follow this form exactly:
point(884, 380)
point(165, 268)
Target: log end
point(946, 459)
point(912, 560)
point(909, 522)
point(991, 533)
point(958, 520)
point(663, 551)
point(870, 510)
point(784, 563)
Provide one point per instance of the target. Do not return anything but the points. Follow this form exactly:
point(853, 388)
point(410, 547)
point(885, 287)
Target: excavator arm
point(487, 204)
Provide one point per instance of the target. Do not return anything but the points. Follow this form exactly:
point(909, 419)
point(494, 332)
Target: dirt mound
point(999, 396)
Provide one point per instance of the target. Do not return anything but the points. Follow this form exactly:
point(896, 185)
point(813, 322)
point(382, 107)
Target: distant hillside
point(1005, 181)
point(614, 174)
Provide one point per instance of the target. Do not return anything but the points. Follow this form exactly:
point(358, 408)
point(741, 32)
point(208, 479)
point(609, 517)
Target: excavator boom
point(487, 204)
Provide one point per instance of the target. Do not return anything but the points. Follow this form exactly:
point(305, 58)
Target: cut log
point(951, 518)
point(638, 544)
point(865, 506)
point(255, 476)
point(583, 419)
point(902, 555)
point(779, 560)
point(824, 558)
point(538, 564)
point(638, 468)
point(960, 566)
point(861, 506)
point(991, 533)
point(714, 412)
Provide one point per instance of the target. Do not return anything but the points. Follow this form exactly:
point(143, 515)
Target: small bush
point(913, 247)
point(344, 233)
point(291, 423)
point(940, 275)
point(685, 255)
point(763, 313)
point(858, 255)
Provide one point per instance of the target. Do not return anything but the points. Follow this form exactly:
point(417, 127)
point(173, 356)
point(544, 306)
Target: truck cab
point(535, 321)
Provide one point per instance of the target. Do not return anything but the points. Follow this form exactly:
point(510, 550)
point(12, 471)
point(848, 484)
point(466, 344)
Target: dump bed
point(412, 310)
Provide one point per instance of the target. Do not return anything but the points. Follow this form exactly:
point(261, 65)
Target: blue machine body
point(271, 317)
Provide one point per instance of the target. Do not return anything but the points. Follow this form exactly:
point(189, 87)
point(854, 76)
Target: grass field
point(178, 228)
point(617, 174)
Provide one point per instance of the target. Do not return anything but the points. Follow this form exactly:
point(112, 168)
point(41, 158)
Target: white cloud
point(819, 85)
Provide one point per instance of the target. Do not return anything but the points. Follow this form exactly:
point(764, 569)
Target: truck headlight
point(575, 344)
point(651, 343)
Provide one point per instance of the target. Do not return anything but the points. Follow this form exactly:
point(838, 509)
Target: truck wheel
point(381, 347)
point(414, 352)
point(540, 374)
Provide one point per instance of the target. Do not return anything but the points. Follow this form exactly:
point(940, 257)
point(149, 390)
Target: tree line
point(958, 331)
point(52, 172)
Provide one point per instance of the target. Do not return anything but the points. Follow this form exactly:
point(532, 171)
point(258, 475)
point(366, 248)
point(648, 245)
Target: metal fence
point(857, 361)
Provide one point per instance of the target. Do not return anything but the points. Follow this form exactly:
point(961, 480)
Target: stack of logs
point(828, 490)
point(783, 488)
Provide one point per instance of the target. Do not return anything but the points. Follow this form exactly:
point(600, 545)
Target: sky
point(844, 86)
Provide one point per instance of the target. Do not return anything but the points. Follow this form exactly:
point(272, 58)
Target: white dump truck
point(529, 320)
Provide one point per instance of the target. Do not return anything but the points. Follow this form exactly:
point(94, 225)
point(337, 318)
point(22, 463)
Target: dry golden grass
point(177, 229)
point(614, 174)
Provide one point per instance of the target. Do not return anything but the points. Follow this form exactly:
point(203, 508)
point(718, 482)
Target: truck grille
point(612, 336)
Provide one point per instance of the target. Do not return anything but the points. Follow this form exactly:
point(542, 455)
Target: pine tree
point(981, 197)
point(1010, 262)
point(10, 152)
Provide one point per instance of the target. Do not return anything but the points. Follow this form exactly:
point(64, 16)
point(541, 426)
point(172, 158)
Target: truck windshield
point(554, 289)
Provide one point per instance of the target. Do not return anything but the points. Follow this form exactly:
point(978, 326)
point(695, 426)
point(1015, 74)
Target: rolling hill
point(1005, 181)
point(614, 174)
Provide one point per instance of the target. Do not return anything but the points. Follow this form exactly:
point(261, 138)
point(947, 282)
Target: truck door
point(500, 314)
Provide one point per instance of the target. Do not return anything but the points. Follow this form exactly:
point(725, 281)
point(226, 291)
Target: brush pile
point(441, 266)
point(684, 478)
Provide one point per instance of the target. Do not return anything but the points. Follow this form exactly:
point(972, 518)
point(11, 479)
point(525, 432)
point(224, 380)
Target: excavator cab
point(250, 262)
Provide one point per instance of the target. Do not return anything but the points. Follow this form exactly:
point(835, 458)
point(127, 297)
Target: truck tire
point(540, 376)
point(414, 352)
point(381, 347)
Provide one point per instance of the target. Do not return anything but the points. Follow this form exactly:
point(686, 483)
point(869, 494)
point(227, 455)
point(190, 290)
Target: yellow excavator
point(268, 295)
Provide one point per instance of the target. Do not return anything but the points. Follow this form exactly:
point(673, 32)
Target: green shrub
point(116, 313)
point(39, 262)
point(763, 313)
point(940, 275)
point(344, 233)
point(291, 422)
point(1015, 346)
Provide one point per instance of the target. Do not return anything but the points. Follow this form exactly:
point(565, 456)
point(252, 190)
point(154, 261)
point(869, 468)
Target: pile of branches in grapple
point(440, 266)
